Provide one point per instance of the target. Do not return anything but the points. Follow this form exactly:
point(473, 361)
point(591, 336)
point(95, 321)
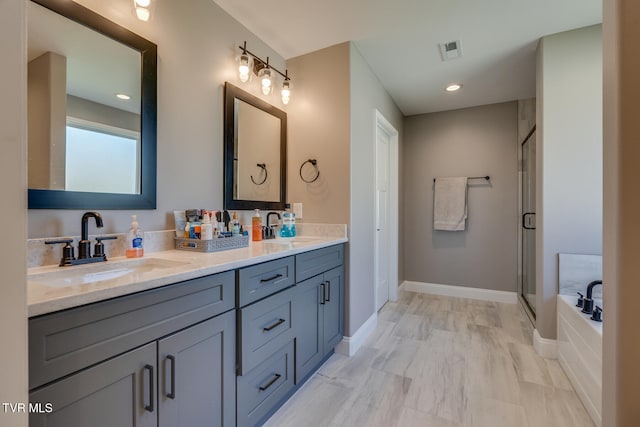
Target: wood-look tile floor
point(439, 361)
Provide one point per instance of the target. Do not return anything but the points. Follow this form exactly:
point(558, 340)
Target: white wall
point(367, 95)
point(13, 174)
point(569, 159)
point(474, 141)
point(621, 269)
point(197, 46)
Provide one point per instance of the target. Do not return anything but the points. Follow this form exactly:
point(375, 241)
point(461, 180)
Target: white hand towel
point(450, 204)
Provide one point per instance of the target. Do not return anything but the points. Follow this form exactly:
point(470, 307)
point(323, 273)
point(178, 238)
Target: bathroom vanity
point(202, 339)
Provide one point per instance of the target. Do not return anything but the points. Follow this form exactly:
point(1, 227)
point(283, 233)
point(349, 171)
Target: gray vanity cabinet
point(197, 375)
point(113, 393)
point(161, 357)
point(319, 306)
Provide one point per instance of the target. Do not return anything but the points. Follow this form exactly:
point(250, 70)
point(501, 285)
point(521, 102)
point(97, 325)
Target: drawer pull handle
point(172, 393)
point(150, 407)
point(275, 378)
point(323, 293)
point(275, 325)
point(277, 276)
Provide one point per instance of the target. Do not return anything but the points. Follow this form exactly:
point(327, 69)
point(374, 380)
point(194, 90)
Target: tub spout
point(590, 287)
point(587, 306)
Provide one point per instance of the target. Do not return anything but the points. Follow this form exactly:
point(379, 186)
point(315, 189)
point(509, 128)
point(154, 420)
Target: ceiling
point(399, 40)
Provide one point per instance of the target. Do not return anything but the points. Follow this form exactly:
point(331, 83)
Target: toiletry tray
point(213, 245)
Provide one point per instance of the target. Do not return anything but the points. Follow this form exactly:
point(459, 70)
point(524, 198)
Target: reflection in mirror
point(255, 152)
point(92, 112)
point(260, 135)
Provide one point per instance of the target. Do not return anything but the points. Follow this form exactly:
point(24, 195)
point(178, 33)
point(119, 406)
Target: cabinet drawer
point(70, 340)
point(264, 327)
point(312, 263)
point(262, 389)
point(262, 280)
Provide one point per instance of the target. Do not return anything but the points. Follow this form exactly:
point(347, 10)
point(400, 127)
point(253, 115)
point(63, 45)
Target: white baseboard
point(461, 291)
point(350, 345)
point(545, 347)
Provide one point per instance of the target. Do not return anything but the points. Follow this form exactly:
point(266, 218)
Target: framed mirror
point(92, 95)
point(255, 152)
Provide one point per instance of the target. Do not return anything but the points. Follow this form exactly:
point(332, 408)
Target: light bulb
point(285, 92)
point(453, 87)
point(143, 3)
point(265, 79)
point(243, 69)
point(142, 13)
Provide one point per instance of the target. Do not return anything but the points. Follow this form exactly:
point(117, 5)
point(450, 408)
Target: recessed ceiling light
point(453, 87)
point(123, 96)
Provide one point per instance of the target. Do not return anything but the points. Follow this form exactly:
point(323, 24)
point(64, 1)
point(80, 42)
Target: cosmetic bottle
point(288, 228)
point(206, 228)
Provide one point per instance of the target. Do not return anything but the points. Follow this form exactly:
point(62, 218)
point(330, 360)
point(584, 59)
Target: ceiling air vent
point(450, 50)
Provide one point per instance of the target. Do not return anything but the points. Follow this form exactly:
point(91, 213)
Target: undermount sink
point(287, 241)
point(94, 273)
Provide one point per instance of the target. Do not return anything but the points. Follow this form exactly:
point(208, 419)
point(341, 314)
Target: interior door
point(528, 222)
point(382, 217)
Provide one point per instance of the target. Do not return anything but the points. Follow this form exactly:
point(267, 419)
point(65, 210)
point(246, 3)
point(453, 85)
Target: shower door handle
point(524, 221)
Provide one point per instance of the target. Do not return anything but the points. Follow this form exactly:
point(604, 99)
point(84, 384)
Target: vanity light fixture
point(123, 96)
point(453, 87)
point(248, 61)
point(142, 9)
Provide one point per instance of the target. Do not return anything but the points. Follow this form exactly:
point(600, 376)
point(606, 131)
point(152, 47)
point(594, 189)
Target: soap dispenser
point(135, 238)
point(256, 226)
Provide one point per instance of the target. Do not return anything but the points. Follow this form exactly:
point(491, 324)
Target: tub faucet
point(588, 301)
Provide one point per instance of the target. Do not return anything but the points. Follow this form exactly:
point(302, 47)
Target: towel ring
point(264, 169)
point(313, 163)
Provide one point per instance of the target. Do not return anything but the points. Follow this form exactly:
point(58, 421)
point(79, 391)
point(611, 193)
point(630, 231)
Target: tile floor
point(439, 361)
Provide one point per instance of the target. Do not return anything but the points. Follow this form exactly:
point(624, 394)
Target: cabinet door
point(333, 319)
point(197, 375)
point(308, 319)
point(119, 392)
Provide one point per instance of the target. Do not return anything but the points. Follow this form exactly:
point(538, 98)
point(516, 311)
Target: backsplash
point(576, 271)
point(39, 254)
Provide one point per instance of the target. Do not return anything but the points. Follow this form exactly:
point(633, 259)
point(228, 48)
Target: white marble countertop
point(49, 290)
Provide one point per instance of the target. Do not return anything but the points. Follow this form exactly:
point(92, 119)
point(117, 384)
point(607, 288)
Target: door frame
point(381, 122)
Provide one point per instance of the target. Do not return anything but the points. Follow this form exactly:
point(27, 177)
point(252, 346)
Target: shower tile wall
point(576, 271)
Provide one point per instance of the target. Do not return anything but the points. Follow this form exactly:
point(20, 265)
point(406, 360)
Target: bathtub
point(580, 353)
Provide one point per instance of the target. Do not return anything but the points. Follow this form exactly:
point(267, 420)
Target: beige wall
point(100, 113)
point(318, 119)
point(47, 108)
point(621, 347)
point(474, 141)
point(568, 159)
point(197, 46)
point(13, 174)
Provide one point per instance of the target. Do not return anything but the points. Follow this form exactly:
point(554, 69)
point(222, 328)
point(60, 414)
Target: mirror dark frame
point(231, 93)
point(60, 199)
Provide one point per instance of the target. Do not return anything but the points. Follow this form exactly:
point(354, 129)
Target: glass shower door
point(528, 222)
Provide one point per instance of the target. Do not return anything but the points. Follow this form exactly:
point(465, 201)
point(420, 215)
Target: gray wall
point(474, 141)
point(569, 159)
point(13, 174)
point(196, 50)
point(367, 95)
point(621, 346)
